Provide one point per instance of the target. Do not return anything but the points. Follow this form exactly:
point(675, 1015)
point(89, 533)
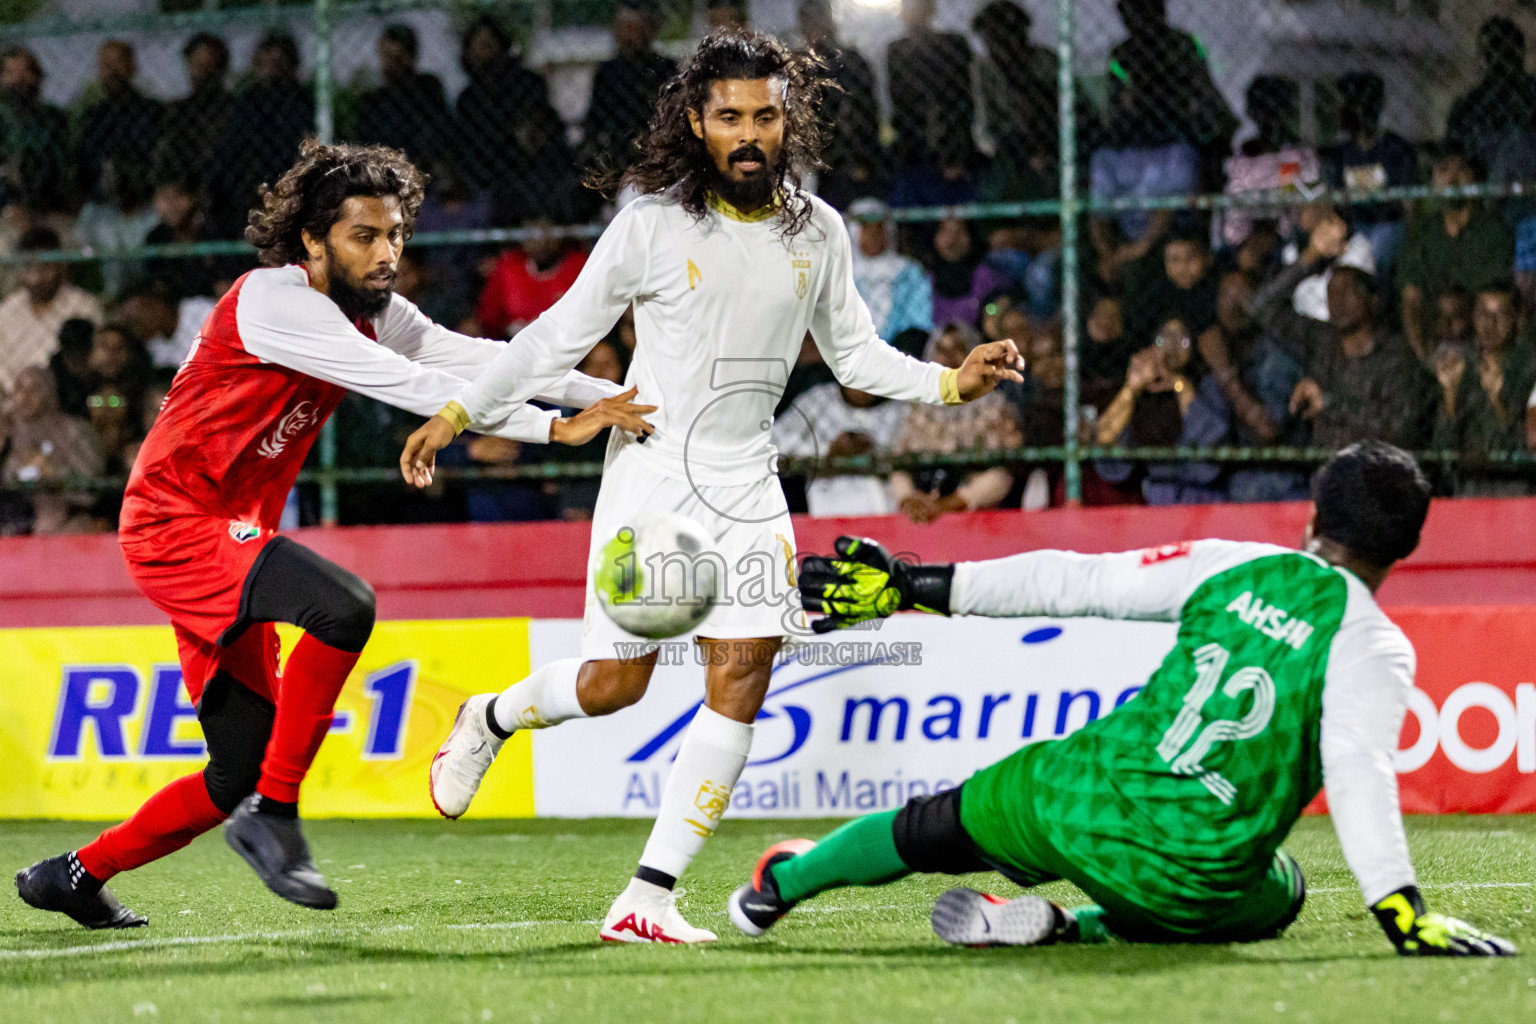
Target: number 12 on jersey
point(1210, 664)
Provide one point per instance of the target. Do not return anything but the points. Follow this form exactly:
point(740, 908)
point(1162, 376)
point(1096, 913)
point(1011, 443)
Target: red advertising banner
point(1469, 741)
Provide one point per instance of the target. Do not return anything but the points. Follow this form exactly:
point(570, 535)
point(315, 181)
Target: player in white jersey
point(728, 264)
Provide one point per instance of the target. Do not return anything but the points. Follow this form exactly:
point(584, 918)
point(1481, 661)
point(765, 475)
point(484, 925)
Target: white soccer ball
point(659, 576)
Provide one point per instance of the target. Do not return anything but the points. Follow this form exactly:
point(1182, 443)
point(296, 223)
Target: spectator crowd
point(1291, 324)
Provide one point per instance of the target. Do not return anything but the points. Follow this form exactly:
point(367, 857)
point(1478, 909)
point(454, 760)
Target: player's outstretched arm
point(282, 320)
point(986, 367)
point(845, 334)
point(618, 411)
point(547, 349)
point(1416, 931)
point(418, 461)
point(1365, 696)
point(864, 582)
point(410, 332)
point(1145, 585)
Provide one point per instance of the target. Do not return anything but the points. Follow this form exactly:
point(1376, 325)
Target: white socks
point(547, 697)
point(698, 790)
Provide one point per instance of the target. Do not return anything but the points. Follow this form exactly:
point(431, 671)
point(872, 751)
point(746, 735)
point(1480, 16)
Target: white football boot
point(645, 912)
point(970, 918)
point(464, 758)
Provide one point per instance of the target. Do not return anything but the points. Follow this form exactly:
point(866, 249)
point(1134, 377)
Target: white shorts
point(753, 534)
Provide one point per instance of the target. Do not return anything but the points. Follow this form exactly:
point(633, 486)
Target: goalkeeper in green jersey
point(1169, 812)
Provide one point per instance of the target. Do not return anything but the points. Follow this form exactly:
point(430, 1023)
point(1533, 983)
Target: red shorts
point(194, 569)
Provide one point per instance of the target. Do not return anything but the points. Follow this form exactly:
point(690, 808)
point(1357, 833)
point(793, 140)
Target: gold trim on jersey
point(949, 387)
point(725, 209)
point(456, 416)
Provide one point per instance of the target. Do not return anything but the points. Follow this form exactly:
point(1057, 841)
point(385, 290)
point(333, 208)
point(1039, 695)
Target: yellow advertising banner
point(95, 720)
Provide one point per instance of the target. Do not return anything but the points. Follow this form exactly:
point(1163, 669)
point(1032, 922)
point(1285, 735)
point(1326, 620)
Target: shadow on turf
point(559, 960)
point(1116, 958)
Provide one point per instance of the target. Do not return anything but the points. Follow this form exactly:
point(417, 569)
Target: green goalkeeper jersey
point(1183, 795)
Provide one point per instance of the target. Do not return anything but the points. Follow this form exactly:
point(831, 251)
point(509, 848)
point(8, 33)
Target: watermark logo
point(666, 578)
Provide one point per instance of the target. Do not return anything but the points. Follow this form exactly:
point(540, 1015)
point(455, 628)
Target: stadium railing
point(1063, 108)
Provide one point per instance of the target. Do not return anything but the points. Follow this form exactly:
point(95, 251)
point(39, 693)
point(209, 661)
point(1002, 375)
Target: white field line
point(124, 945)
point(1442, 885)
point(129, 945)
point(496, 925)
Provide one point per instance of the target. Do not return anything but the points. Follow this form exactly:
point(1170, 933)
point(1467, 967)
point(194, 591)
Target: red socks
point(182, 811)
point(169, 820)
point(306, 698)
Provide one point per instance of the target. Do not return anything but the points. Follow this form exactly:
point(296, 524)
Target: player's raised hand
point(1415, 932)
point(619, 411)
point(864, 582)
point(987, 366)
point(419, 458)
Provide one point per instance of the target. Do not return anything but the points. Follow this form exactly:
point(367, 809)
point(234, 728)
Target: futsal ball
point(659, 576)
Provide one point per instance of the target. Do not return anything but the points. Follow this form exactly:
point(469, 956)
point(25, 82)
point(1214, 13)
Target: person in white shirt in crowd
point(835, 421)
point(31, 316)
point(168, 327)
point(728, 263)
point(1311, 296)
point(894, 287)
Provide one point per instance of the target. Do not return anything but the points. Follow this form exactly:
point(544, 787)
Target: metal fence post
point(1066, 110)
point(325, 129)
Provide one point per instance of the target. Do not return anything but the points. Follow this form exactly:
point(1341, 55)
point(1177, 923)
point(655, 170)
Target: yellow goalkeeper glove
point(1416, 932)
point(864, 582)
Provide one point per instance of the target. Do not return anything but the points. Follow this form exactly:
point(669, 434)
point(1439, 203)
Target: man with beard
point(199, 518)
point(728, 263)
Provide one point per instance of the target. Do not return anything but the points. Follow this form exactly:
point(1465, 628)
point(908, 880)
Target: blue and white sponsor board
point(858, 721)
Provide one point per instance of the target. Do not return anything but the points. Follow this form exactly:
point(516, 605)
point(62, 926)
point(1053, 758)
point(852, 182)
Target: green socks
point(1090, 924)
point(861, 852)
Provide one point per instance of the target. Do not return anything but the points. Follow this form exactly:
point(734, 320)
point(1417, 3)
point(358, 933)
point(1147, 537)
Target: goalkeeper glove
point(1417, 933)
point(865, 583)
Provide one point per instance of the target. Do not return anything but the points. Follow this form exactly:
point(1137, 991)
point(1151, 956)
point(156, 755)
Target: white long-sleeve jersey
point(1366, 681)
point(270, 364)
point(721, 306)
point(411, 362)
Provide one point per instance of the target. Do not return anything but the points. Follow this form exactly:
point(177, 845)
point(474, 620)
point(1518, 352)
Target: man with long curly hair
point(204, 498)
point(728, 263)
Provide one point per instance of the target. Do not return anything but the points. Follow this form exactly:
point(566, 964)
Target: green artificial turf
point(477, 921)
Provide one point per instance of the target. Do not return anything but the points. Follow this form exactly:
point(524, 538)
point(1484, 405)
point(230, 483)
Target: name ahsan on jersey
point(1274, 622)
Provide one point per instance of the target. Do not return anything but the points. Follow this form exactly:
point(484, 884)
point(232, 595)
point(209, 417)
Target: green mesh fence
point(1158, 201)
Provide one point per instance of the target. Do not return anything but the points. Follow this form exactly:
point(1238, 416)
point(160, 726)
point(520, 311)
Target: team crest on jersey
point(290, 426)
point(241, 532)
point(800, 263)
point(1166, 553)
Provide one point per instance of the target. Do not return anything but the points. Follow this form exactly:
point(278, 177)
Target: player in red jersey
point(203, 502)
